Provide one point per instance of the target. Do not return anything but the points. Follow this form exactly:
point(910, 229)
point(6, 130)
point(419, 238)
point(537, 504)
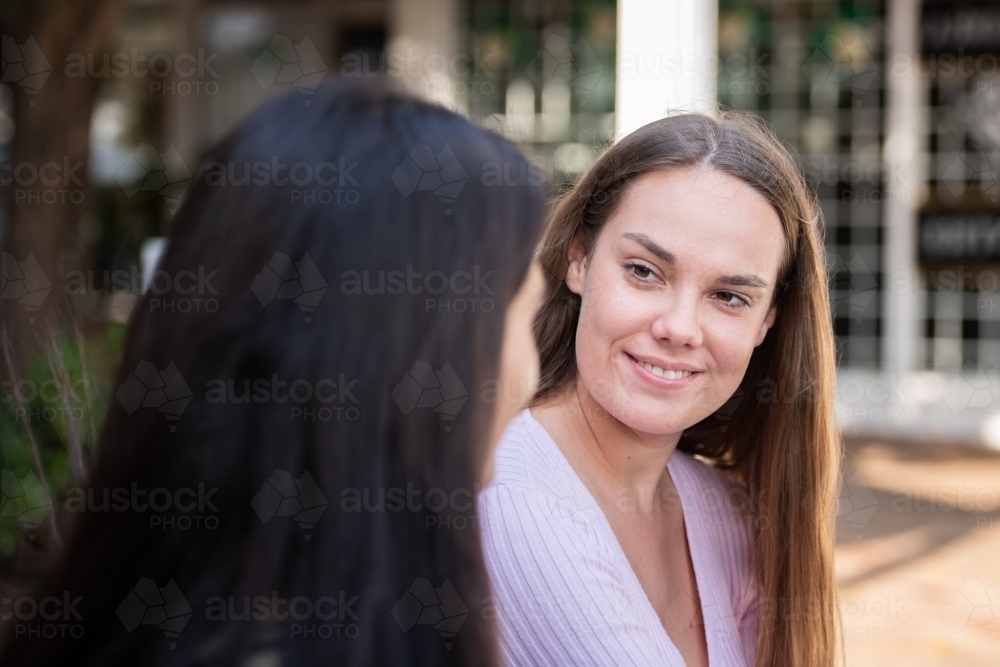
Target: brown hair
point(776, 435)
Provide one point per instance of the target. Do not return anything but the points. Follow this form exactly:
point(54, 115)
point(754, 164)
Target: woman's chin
point(651, 421)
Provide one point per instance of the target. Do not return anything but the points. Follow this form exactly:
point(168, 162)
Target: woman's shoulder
point(533, 483)
point(527, 458)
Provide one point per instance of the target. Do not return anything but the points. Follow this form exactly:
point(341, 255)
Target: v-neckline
point(692, 548)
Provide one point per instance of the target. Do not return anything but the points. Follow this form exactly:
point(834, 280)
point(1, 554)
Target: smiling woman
point(678, 320)
point(687, 281)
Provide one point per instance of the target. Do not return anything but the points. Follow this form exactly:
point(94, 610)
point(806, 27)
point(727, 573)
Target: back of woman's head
point(329, 307)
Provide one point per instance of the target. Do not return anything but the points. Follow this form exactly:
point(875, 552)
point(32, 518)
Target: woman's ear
point(768, 322)
point(577, 272)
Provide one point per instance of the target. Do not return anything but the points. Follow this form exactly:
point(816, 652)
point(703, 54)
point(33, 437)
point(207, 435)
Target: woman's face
point(675, 297)
point(518, 358)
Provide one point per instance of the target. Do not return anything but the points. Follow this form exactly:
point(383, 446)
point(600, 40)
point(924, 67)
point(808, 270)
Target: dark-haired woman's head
point(305, 411)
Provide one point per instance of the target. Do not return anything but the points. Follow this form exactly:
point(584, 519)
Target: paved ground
point(918, 555)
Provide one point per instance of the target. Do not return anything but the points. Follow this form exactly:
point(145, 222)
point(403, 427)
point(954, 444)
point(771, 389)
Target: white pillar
point(184, 126)
point(904, 186)
point(424, 37)
point(667, 60)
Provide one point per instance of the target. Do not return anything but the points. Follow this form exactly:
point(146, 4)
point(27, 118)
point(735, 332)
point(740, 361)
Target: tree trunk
point(45, 181)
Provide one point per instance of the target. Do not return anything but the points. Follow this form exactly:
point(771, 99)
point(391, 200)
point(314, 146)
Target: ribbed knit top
point(566, 593)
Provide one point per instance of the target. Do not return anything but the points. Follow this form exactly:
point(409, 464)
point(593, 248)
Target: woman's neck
point(614, 458)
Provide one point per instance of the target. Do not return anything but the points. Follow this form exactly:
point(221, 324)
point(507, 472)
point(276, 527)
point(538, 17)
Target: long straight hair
point(334, 370)
point(776, 434)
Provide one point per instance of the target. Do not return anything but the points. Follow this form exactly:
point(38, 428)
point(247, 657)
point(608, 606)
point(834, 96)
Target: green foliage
point(59, 402)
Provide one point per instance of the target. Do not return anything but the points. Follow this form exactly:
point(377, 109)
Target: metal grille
point(962, 300)
point(814, 70)
point(547, 80)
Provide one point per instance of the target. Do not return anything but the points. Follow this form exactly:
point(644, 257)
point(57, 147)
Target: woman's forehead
point(706, 212)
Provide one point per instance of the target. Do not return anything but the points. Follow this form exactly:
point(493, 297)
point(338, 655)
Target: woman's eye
point(733, 300)
point(641, 271)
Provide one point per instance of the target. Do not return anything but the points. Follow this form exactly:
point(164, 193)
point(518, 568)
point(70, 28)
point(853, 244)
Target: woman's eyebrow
point(651, 245)
point(745, 281)
point(668, 257)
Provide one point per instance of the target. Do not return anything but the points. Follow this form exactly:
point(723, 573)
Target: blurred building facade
point(892, 108)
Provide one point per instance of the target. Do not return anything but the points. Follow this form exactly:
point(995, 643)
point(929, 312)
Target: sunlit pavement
point(918, 555)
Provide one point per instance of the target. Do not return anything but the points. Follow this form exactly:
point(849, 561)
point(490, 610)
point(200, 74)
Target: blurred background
point(892, 109)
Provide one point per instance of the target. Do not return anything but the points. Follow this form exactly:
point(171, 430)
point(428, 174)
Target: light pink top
point(565, 591)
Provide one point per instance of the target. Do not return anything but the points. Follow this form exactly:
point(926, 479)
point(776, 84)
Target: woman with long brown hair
point(667, 497)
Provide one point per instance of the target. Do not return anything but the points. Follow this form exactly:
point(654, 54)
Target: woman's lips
point(661, 377)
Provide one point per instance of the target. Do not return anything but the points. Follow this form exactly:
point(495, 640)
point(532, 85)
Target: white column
point(904, 188)
point(667, 60)
point(186, 111)
point(424, 37)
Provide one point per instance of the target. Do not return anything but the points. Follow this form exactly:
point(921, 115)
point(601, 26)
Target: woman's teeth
point(665, 374)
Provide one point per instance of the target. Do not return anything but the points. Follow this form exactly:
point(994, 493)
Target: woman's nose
point(680, 322)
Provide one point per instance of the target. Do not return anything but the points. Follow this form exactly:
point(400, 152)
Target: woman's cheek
point(731, 349)
point(590, 338)
point(607, 311)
